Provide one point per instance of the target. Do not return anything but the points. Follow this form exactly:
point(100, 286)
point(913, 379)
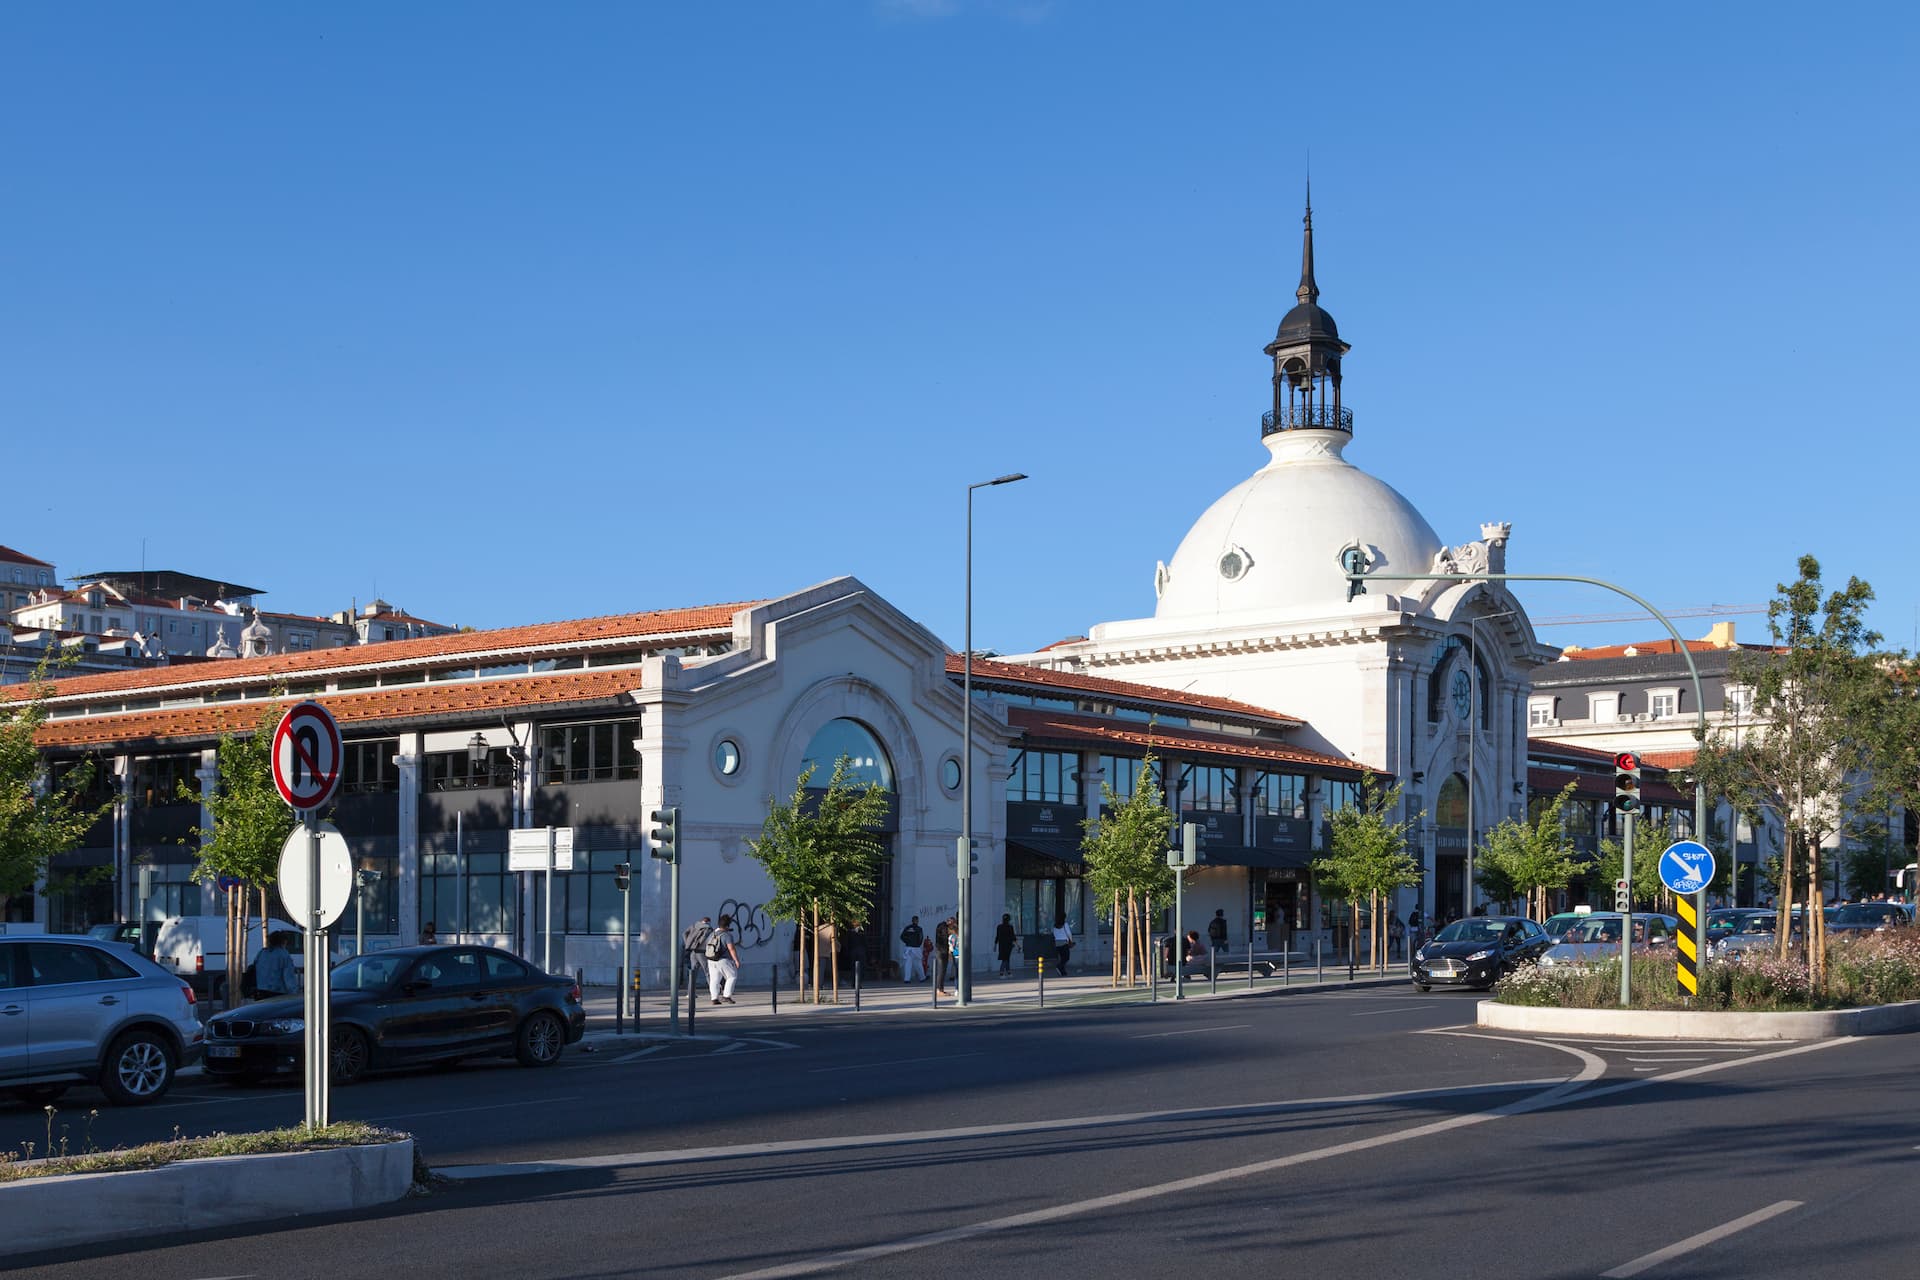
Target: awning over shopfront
point(1259, 859)
point(1042, 857)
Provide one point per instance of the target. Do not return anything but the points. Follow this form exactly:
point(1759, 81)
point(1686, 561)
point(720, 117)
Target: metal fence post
point(773, 984)
point(1213, 970)
point(691, 1002)
point(1249, 959)
point(856, 986)
point(1319, 963)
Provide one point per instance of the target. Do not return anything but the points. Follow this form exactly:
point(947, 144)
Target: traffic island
point(1703, 1024)
point(196, 1183)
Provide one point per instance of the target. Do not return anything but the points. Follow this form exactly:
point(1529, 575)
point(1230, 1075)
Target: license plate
point(223, 1051)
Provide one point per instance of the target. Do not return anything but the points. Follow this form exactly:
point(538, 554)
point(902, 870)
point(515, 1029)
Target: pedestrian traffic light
point(1626, 782)
point(623, 876)
point(666, 834)
point(1622, 897)
point(973, 860)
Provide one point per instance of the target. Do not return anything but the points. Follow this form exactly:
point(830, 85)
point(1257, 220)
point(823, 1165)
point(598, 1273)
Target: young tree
point(42, 813)
point(823, 858)
point(1126, 857)
point(1810, 740)
point(1518, 859)
point(1367, 856)
point(251, 823)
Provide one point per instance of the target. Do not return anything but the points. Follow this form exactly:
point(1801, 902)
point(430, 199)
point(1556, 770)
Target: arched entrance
point(869, 763)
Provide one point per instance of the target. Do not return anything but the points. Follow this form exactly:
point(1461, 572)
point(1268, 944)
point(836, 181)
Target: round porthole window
point(726, 757)
point(950, 774)
point(1235, 563)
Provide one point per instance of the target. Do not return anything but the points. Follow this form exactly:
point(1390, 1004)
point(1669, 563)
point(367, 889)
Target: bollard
point(1249, 960)
point(856, 986)
point(691, 1002)
point(933, 988)
point(773, 985)
point(1319, 963)
point(1213, 969)
point(1153, 971)
point(1286, 965)
point(1349, 963)
point(1041, 964)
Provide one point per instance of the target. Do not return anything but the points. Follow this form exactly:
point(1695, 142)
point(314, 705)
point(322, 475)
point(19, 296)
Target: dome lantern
point(1306, 353)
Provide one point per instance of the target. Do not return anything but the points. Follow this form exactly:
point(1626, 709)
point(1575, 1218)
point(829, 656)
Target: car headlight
point(282, 1027)
point(1480, 955)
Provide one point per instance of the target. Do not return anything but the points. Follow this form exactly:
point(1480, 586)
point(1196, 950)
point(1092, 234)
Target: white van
point(194, 948)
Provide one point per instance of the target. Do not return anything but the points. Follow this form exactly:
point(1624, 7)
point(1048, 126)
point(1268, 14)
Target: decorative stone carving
point(1496, 535)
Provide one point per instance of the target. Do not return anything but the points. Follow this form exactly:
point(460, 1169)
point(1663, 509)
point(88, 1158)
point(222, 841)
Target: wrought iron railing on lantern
point(1300, 417)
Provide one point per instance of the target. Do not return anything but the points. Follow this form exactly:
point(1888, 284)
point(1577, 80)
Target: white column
point(406, 867)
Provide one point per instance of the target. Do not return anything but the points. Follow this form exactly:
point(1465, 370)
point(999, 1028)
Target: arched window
point(854, 740)
point(1450, 810)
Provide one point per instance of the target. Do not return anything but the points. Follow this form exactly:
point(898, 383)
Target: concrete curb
point(1674, 1024)
point(192, 1195)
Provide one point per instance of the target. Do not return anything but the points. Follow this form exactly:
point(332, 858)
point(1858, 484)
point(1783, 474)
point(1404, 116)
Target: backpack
point(716, 944)
point(1217, 929)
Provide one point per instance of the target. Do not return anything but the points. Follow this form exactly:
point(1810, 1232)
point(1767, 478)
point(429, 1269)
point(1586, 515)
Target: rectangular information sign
point(527, 849)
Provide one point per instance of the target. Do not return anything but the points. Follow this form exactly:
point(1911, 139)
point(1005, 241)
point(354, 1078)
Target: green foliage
point(251, 822)
point(1517, 858)
point(823, 855)
point(1647, 889)
point(41, 814)
point(1126, 851)
point(1367, 850)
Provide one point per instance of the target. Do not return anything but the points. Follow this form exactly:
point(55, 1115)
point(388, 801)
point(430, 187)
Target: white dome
point(1274, 541)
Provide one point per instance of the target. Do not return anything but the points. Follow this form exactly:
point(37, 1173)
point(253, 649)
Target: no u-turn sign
point(307, 756)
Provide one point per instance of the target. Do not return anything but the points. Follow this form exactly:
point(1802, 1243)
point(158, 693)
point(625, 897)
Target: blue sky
point(515, 312)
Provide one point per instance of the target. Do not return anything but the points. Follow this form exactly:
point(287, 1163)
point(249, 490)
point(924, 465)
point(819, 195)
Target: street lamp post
point(963, 980)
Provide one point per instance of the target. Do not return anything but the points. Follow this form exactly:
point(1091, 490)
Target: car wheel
point(40, 1095)
point(138, 1069)
point(349, 1054)
point(1422, 987)
point(541, 1040)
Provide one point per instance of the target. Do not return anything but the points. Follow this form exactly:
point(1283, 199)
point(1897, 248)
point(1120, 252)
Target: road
point(1368, 1133)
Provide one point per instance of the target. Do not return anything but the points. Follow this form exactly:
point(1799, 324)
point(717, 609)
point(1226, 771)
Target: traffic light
point(665, 836)
point(1622, 897)
point(973, 861)
point(1626, 782)
point(623, 876)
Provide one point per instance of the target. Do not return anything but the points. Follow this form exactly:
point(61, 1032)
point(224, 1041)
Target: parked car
point(194, 948)
point(1869, 917)
point(1475, 952)
point(407, 1006)
point(1723, 921)
point(1597, 939)
point(79, 1010)
point(126, 934)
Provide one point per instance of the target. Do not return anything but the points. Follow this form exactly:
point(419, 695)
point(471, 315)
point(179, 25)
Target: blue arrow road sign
point(1686, 867)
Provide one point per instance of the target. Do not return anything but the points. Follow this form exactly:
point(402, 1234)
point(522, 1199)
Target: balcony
point(1296, 417)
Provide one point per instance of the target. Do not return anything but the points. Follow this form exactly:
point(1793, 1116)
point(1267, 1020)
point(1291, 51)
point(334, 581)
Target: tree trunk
point(833, 958)
point(815, 959)
point(1783, 897)
point(1116, 938)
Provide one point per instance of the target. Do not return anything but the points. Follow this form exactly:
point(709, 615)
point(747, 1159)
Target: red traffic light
point(1626, 761)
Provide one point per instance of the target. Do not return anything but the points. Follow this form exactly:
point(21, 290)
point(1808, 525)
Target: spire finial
point(1309, 291)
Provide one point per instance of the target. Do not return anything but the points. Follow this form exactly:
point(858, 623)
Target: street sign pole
point(1626, 917)
point(546, 935)
point(316, 984)
point(626, 960)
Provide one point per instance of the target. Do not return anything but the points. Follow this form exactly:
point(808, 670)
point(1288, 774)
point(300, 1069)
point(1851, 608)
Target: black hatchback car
point(407, 1006)
point(1475, 952)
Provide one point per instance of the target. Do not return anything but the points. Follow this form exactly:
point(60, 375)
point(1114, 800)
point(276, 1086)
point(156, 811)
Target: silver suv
point(79, 1010)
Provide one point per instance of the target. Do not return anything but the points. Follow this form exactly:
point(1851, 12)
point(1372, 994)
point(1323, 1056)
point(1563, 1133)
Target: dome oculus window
point(726, 757)
point(1235, 563)
point(950, 774)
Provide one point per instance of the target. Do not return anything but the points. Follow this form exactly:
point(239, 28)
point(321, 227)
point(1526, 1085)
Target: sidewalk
point(756, 1014)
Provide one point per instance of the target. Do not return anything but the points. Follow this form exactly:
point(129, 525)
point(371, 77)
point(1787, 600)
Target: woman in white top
point(1062, 945)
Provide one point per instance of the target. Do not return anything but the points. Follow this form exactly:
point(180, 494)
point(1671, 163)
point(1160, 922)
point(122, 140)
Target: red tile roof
point(1597, 786)
point(11, 556)
point(1669, 759)
point(990, 673)
point(705, 619)
point(1053, 726)
point(1604, 758)
point(1654, 648)
point(385, 706)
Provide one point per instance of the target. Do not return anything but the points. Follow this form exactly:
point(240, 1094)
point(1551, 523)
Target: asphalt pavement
point(1369, 1132)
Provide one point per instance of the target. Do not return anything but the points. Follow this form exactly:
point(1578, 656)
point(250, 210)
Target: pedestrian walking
point(1396, 935)
point(1003, 939)
point(1217, 929)
point(723, 961)
point(911, 967)
point(693, 947)
point(429, 936)
point(942, 934)
point(273, 972)
point(1062, 944)
point(953, 959)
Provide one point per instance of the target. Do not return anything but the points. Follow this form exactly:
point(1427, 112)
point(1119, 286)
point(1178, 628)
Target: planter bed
point(1703, 1024)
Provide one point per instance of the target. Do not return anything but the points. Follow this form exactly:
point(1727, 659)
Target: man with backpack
point(1217, 930)
point(723, 962)
point(693, 947)
point(911, 938)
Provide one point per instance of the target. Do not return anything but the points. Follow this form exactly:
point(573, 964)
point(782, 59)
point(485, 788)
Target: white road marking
point(1699, 1241)
point(735, 1047)
point(1014, 1129)
point(897, 1062)
point(1633, 1057)
point(637, 1054)
point(456, 1111)
point(1592, 1068)
point(1191, 1031)
point(1375, 1013)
